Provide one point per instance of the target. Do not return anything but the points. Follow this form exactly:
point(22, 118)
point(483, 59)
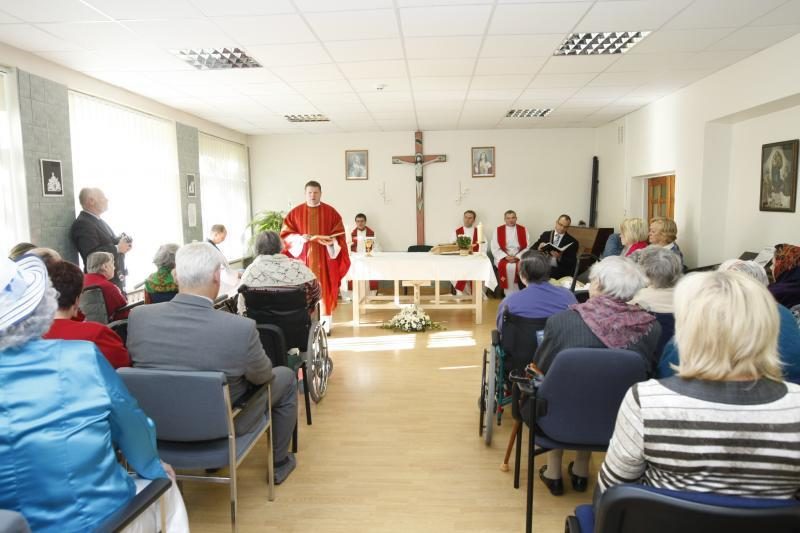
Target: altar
point(415, 267)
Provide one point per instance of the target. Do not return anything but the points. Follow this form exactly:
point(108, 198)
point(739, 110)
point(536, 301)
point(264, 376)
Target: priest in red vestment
point(470, 230)
point(509, 243)
point(358, 239)
point(314, 233)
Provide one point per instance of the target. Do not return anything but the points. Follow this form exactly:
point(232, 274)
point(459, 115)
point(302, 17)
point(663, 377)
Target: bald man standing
point(89, 233)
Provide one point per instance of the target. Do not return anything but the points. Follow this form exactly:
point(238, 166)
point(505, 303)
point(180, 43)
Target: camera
point(125, 237)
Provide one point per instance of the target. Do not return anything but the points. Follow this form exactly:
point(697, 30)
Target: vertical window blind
point(13, 195)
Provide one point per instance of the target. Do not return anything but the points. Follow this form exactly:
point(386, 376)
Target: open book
point(550, 247)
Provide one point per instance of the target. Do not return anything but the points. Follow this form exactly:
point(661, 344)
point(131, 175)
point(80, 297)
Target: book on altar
point(550, 247)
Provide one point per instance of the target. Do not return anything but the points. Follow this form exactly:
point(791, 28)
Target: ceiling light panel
point(600, 43)
point(307, 118)
point(528, 113)
point(217, 59)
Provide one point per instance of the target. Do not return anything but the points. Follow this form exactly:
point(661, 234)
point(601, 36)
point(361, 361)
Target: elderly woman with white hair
point(606, 320)
point(663, 270)
point(727, 422)
point(65, 412)
point(99, 272)
point(160, 286)
point(788, 337)
point(271, 268)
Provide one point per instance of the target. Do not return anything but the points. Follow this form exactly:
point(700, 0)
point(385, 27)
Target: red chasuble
point(461, 285)
point(320, 220)
point(501, 240)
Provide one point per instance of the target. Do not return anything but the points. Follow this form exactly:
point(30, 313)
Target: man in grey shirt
point(188, 334)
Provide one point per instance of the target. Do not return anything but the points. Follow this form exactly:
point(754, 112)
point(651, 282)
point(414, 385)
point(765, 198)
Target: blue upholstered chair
point(195, 427)
point(575, 406)
point(636, 508)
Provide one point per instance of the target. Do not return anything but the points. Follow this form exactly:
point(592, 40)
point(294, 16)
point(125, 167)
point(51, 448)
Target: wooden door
point(661, 197)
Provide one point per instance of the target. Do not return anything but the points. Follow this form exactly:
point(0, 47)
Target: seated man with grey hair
point(271, 268)
point(788, 335)
point(100, 272)
point(160, 286)
point(186, 333)
point(606, 320)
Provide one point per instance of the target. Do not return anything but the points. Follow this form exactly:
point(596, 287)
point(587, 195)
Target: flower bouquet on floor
point(411, 318)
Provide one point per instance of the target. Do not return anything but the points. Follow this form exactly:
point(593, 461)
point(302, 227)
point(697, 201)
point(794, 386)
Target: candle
point(480, 232)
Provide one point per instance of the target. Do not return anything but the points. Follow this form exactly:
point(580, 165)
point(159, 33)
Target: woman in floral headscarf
point(786, 270)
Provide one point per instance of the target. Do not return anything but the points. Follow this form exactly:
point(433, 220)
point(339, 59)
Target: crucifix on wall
point(419, 160)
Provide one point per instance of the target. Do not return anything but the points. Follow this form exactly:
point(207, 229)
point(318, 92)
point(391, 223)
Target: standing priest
point(508, 244)
point(314, 233)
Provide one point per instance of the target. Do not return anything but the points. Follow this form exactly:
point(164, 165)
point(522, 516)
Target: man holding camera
point(89, 233)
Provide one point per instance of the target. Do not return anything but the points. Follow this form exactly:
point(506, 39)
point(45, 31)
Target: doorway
point(661, 197)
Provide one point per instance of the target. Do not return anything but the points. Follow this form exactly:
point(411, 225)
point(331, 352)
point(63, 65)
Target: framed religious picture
point(779, 176)
point(483, 163)
point(52, 179)
point(355, 164)
point(191, 185)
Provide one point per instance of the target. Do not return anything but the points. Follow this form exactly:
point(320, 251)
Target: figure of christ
point(419, 160)
point(314, 233)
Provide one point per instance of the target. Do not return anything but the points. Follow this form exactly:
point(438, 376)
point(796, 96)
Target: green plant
point(464, 242)
point(265, 221)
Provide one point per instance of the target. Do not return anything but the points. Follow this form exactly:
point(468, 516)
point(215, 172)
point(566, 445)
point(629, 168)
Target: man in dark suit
point(90, 233)
point(188, 334)
point(562, 263)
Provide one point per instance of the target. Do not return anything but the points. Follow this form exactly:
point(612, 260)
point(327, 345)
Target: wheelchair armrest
point(495, 337)
point(129, 307)
point(124, 516)
point(278, 340)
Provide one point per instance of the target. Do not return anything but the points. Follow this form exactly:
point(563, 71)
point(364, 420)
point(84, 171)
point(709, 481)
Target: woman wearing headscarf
point(786, 271)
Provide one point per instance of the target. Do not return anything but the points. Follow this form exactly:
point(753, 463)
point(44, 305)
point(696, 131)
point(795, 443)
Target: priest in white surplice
point(509, 242)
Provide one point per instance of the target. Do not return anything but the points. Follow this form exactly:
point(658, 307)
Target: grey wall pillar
point(189, 163)
point(44, 114)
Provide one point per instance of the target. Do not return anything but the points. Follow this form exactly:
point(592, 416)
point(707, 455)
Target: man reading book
point(561, 246)
point(314, 233)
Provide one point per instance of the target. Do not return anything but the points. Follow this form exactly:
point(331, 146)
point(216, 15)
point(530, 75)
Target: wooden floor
point(394, 445)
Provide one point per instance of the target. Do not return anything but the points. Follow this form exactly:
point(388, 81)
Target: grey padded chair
point(195, 427)
point(13, 522)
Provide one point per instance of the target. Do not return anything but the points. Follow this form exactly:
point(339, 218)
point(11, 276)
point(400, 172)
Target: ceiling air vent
point(307, 118)
point(528, 113)
point(217, 59)
point(602, 43)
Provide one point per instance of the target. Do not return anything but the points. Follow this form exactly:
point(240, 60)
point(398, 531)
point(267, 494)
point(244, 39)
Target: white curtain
point(133, 158)
point(13, 197)
point(224, 190)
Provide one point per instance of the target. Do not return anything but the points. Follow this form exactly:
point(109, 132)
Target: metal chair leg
point(531, 446)
point(306, 393)
point(294, 438)
point(517, 458)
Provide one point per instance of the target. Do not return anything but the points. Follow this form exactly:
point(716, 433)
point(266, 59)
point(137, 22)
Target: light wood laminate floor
point(394, 446)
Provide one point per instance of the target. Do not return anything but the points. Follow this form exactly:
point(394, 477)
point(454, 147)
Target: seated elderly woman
point(271, 268)
point(65, 413)
point(727, 422)
point(100, 269)
point(606, 320)
point(539, 299)
point(663, 232)
point(633, 234)
point(788, 338)
point(67, 279)
point(160, 286)
point(786, 271)
point(663, 270)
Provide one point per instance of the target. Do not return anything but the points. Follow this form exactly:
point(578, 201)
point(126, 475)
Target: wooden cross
point(419, 160)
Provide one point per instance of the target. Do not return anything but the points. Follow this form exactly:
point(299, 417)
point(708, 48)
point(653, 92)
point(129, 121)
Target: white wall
point(14, 57)
point(540, 174)
point(700, 134)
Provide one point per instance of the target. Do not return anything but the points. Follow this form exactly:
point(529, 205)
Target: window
point(133, 158)
point(13, 198)
point(224, 191)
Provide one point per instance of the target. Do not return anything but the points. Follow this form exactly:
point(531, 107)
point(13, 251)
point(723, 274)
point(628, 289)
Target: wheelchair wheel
point(491, 395)
point(482, 397)
point(318, 364)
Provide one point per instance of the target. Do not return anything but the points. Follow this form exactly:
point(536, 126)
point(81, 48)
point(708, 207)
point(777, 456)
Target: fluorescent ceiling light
point(602, 43)
point(528, 113)
point(307, 118)
point(216, 59)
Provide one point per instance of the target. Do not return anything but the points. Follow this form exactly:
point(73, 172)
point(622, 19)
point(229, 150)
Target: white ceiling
point(445, 64)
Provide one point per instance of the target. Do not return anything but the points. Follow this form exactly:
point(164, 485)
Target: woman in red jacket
point(67, 279)
point(100, 269)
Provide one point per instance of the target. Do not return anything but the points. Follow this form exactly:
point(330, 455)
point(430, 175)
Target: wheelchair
point(511, 351)
point(284, 323)
point(92, 304)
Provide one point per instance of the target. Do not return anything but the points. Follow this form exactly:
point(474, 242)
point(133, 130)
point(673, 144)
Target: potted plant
point(464, 243)
point(263, 221)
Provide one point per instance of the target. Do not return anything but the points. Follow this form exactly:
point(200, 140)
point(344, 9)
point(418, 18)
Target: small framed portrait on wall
point(191, 185)
point(779, 176)
point(52, 179)
point(483, 162)
point(356, 164)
